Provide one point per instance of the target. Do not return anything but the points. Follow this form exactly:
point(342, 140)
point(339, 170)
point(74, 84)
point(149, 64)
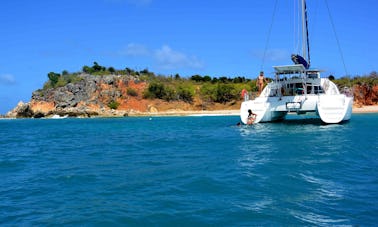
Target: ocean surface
point(188, 171)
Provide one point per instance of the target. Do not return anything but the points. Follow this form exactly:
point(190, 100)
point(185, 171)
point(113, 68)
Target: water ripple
point(188, 171)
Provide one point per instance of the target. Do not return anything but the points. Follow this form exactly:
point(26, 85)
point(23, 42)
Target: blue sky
point(216, 38)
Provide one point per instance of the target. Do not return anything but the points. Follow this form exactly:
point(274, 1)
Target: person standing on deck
point(260, 82)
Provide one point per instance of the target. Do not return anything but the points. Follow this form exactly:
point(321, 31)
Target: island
point(98, 91)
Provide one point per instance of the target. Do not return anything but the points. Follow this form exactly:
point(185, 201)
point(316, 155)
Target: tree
point(196, 78)
point(96, 67)
point(87, 69)
point(145, 71)
point(129, 71)
point(53, 77)
point(111, 70)
point(206, 78)
point(223, 79)
point(155, 90)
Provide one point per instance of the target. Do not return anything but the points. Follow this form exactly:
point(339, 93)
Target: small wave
point(257, 206)
point(327, 189)
point(318, 219)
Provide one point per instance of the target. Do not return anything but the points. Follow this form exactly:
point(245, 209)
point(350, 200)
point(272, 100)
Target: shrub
point(111, 70)
point(225, 93)
point(113, 105)
point(208, 92)
point(53, 77)
point(185, 93)
point(169, 94)
point(132, 92)
point(155, 90)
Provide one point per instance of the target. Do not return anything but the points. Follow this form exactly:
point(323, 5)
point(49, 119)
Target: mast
point(305, 39)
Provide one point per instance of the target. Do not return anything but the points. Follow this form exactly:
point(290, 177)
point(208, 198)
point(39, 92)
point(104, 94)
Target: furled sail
point(297, 59)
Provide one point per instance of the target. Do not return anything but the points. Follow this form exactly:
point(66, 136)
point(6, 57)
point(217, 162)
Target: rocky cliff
point(88, 97)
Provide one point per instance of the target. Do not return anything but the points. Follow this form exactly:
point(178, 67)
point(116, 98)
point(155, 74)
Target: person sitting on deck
point(251, 117)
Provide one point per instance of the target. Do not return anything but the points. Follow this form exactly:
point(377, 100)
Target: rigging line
point(337, 38)
point(269, 32)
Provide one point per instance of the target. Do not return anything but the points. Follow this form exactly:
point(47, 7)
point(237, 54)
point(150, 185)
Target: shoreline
point(235, 112)
point(365, 109)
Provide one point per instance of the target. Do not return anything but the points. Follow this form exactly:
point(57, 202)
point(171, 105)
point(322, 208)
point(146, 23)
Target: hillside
point(110, 95)
point(100, 91)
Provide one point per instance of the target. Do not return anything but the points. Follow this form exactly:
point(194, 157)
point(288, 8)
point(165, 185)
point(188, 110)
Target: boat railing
point(250, 95)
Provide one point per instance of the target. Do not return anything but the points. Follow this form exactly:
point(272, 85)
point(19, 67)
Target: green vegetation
point(58, 80)
point(132, 92)
point(369, 80)
point(113, 105)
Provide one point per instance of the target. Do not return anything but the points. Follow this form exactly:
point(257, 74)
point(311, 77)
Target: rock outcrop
point(365, 95)
point(22, 110)
point(88, 97)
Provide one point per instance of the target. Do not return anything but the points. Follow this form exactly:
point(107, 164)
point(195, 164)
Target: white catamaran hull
point(330, 108)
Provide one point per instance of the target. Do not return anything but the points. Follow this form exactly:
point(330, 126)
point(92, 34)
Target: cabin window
point(312, 75)
point(309, 89)
point(318, 90)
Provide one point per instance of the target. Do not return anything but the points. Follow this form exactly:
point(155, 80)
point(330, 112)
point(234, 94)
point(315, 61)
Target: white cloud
point(7, 79)
point(171, 59)
point(164, 57)
point(135, 49)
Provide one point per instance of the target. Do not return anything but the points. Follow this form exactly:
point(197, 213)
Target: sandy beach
point(363, 109)
point(366, 109)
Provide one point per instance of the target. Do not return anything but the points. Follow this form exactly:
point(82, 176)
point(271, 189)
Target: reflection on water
point(285, 160)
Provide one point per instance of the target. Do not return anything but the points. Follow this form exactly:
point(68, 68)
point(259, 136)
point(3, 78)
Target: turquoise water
point(185, 171)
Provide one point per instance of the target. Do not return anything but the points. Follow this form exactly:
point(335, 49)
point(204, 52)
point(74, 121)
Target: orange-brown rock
point(365, 94)
point(42, 106)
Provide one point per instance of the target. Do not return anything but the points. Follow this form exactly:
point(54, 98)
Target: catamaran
point(299, 89)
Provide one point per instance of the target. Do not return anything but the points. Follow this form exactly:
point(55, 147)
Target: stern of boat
point(334, 108)
point(258, 107)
